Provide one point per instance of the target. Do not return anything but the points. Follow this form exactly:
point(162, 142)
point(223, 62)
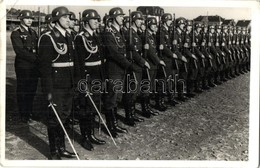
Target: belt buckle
point(71, 63)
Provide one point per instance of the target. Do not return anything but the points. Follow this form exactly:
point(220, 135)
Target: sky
point(236, 13)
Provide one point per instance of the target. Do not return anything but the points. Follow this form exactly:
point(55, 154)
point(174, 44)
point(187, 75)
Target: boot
point(136, 118)
point(145, 111)
point(62, 149)
point(149, 108)
point(205, 85)
point(160, 103)
point(85, 142)
point(109, 123)
point(190, 86)
point(222, 76)
point(211, 83)
point(171, 100)
point(217, 80)
point(115, 122)
point(228, 75)
point(197, 87)
point(91, 132)
point(129, 120)
point(52, 135)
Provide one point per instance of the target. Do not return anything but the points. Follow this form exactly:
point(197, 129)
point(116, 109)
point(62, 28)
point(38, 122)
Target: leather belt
point(93, 63)
point(62, 64)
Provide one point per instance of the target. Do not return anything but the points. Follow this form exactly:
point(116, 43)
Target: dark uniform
point(57, 67)
point(183, 65)
point(89, 52)
point(49, 27)
point(153, 59)
point(170, 60)
point(115, 67)
point(134, 54)
point(24, 40)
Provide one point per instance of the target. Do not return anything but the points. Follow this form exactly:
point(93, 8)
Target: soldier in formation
point(132, 59)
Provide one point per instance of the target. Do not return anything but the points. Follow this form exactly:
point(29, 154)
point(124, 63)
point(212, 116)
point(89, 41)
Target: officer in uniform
point(89, 51)
point(208, 58)
point(215, 55)
point(192, 60)
point(169, 58)
point(57, 67)
point(183, 65)
point(134, 54)
point(201, 57)
point(115, 67)
point(24, 40)
point(154, 61)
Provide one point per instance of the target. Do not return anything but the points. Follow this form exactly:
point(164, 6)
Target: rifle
point(39, 22)
point(174, 47)
point(210, 61)
point(131, 42)
point(145, 51)
point(80, 22)
point(160, 51)
point(193, 47)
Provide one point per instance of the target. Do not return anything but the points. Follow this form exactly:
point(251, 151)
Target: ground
point(212, 126)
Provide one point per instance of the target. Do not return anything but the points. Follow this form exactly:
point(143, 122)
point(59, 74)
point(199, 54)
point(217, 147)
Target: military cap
point(25, 14)
point(58, 12)
point(114, 12)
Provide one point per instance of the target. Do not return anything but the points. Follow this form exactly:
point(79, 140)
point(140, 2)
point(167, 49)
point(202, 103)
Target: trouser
point(27, 80)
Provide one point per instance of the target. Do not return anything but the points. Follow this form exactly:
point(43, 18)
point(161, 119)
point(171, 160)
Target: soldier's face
point(168, 23)
point(120, 19)
point(138, 23)
point(27, 22)
point(93, 23)
point(127, 24)
point(65, 21)
point(182, 26)
point(52, 24)
point(154, 28)
point(76, 28)
point(72, 23)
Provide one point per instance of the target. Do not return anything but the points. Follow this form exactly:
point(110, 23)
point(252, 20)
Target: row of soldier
point(195, 57)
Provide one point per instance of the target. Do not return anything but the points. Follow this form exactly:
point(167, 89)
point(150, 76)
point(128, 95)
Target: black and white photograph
point(103, 83)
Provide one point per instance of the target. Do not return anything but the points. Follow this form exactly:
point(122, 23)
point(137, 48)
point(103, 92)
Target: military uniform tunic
point(25, 47)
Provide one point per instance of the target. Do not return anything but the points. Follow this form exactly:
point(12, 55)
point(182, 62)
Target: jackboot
point(52, 135)
point(129, 120)
point(160, 103)
point(91, 132)
point(171, 100)
point(109, 123)
point(62, 149)
point(115, 122)
point(85, 142)
point(145, 111)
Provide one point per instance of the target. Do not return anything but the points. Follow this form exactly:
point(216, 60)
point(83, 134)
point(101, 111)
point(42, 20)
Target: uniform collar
point(25, 27)
point(116, 27)
point(134, 28)
point(166, 28)
point(61, 30)
point(91, 32)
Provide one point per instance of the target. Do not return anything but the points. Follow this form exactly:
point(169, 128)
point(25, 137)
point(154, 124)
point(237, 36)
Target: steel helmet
point(181, 20)
point(90, 14)
point(136, 15)
point(72, 16)
point(106, 18)
point(58, 12)
point(151, 21)
point(166, 16)
point(25, 14)
point(48, 18)
point(114, 12)
point(126, 19)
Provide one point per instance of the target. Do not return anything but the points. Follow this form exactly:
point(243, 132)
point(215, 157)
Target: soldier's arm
point(166, 51)
point(79, 60)
point(45, 61)
point(112, 47)
point(19, 48)
point(151, 53)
